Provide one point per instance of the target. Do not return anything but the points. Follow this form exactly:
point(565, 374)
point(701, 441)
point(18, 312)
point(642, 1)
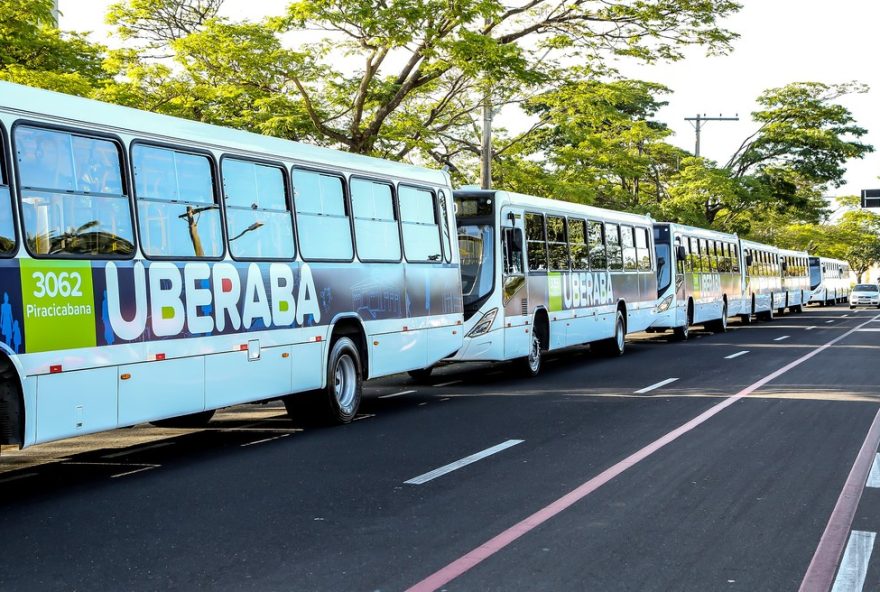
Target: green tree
point(36, 53)
point(415, 71)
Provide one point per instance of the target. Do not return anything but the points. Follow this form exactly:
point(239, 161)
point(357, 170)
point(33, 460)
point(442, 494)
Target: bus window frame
point(346, 202)
point(8, 171)
point(215, 170)
point(546, 268)
point(127, 184)
point(395, 206)
point(435, 198)
point(288, 197)
point(586, 243)
point(564, 219)
point(445, 236)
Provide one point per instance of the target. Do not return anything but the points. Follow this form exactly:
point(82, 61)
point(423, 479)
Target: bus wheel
point(193, 420)
point(745, 319)
point(531, 364)
point(798, 309)
point(422, 374)
point(682, 333)
point(616, 345)
point(720, 325)
point(338, 402)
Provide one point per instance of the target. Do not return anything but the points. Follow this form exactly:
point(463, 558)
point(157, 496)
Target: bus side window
point(615, 253)
point(734, 259)
point(577, 244)
point(536, 242)
point(643, 253)
point(421, 230)
point(444, 224)
point(73, 201)
point(7, 222)
point(177, 213)
point(557, 242)
point(322, 221)
point(679, 264)
point(628, 245)
point(375, 224)
point(696, 263)
point(512, 246)
point(596, 242)
point(258, 220)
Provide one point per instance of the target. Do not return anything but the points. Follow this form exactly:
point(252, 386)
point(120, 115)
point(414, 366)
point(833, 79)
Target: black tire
point(615, 346)
point(338, 402)
point(421, 375)
point(745, 319)
point(682, 333)
point(530, 365)
point(193, 420)
point(720, 325)
point(798, 309)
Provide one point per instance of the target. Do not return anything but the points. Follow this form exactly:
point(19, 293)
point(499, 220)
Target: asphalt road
point(717, 480)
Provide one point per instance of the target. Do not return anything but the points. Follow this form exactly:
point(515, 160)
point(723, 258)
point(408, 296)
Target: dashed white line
point(854, 566)
point(421, 479)
point(869, 330)
point(450, 383)
point(829, 321)
point(400, 394)
point(140, 470)
point(874, 475)
point(843, 316)
point(654, 386)
point(736, 355)
point(137, 450)
point(811, 327)
point(264, 440)
point(783, 338)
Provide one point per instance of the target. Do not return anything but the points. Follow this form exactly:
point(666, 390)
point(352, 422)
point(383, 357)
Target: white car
point(864, 295)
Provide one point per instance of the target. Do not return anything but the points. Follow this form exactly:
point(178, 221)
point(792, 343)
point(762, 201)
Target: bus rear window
point(73, 199)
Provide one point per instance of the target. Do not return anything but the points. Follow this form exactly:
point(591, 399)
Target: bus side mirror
point(680, 253)
point(785, 266)
point(517, 240)
point(749, 260)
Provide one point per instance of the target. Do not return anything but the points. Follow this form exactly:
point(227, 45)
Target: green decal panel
point(58, 303)
point(554, 289)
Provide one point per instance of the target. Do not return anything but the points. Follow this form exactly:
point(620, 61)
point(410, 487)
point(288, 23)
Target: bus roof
point(24, 101)
point(757, 245)
point(696, 230)
point(566, 207)
point(793, 253)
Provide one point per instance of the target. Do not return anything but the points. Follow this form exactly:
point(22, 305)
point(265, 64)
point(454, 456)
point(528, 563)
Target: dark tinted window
point(536, 246)
point(596, 242)
point(577, 244)
point(615, 253)
point(73, 201)
point(628, 243)
point(258, 220)
point(177, 213)
point(557, 242)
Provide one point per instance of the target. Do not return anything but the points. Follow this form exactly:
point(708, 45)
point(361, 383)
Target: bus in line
point(154, 268)
point(762, 279)
point(699, 279)
point(830, 280)
point(540, 275)
point(794, 266)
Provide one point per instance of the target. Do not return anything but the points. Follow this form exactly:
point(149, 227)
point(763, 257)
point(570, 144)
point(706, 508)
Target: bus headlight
point(664, 304)
point(484, 325)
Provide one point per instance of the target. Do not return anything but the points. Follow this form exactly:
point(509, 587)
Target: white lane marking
point(874, 475)
point(364, 416)
point(854, 566)
point(140, 470)
point(400, 394)
point(811, 327)
point(17, 477)
point(783, 338)
point(462, 463)
point(654, 386)
point(264, 440)
point(450, 383)
point(843, 316)
point(137, 450)
point(869, 330)
point(736, 355)
point(829, 321)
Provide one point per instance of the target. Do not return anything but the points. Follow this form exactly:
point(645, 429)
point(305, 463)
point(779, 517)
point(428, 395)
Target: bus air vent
point(525, 307)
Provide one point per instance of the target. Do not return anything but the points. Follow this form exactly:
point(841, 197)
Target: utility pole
point(699, 121)
point(486, 148)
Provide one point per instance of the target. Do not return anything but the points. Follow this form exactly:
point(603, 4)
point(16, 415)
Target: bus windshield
point(475, 244)
point(815, 273)
point(664, 267)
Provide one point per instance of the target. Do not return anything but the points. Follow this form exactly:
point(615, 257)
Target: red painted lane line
point(464, 563)
point(820, 574)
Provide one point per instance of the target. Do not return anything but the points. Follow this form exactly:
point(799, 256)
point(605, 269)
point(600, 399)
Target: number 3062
point(60, 284)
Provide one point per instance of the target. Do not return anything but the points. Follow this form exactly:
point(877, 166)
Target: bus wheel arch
point(616, 344)
point(11, 403)
point(541, 328)
point(352, 328)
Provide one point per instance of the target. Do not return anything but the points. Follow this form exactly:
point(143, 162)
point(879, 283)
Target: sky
point(781, 41)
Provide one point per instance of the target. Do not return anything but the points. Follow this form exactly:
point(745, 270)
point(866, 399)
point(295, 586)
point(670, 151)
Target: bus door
point(514, 292)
